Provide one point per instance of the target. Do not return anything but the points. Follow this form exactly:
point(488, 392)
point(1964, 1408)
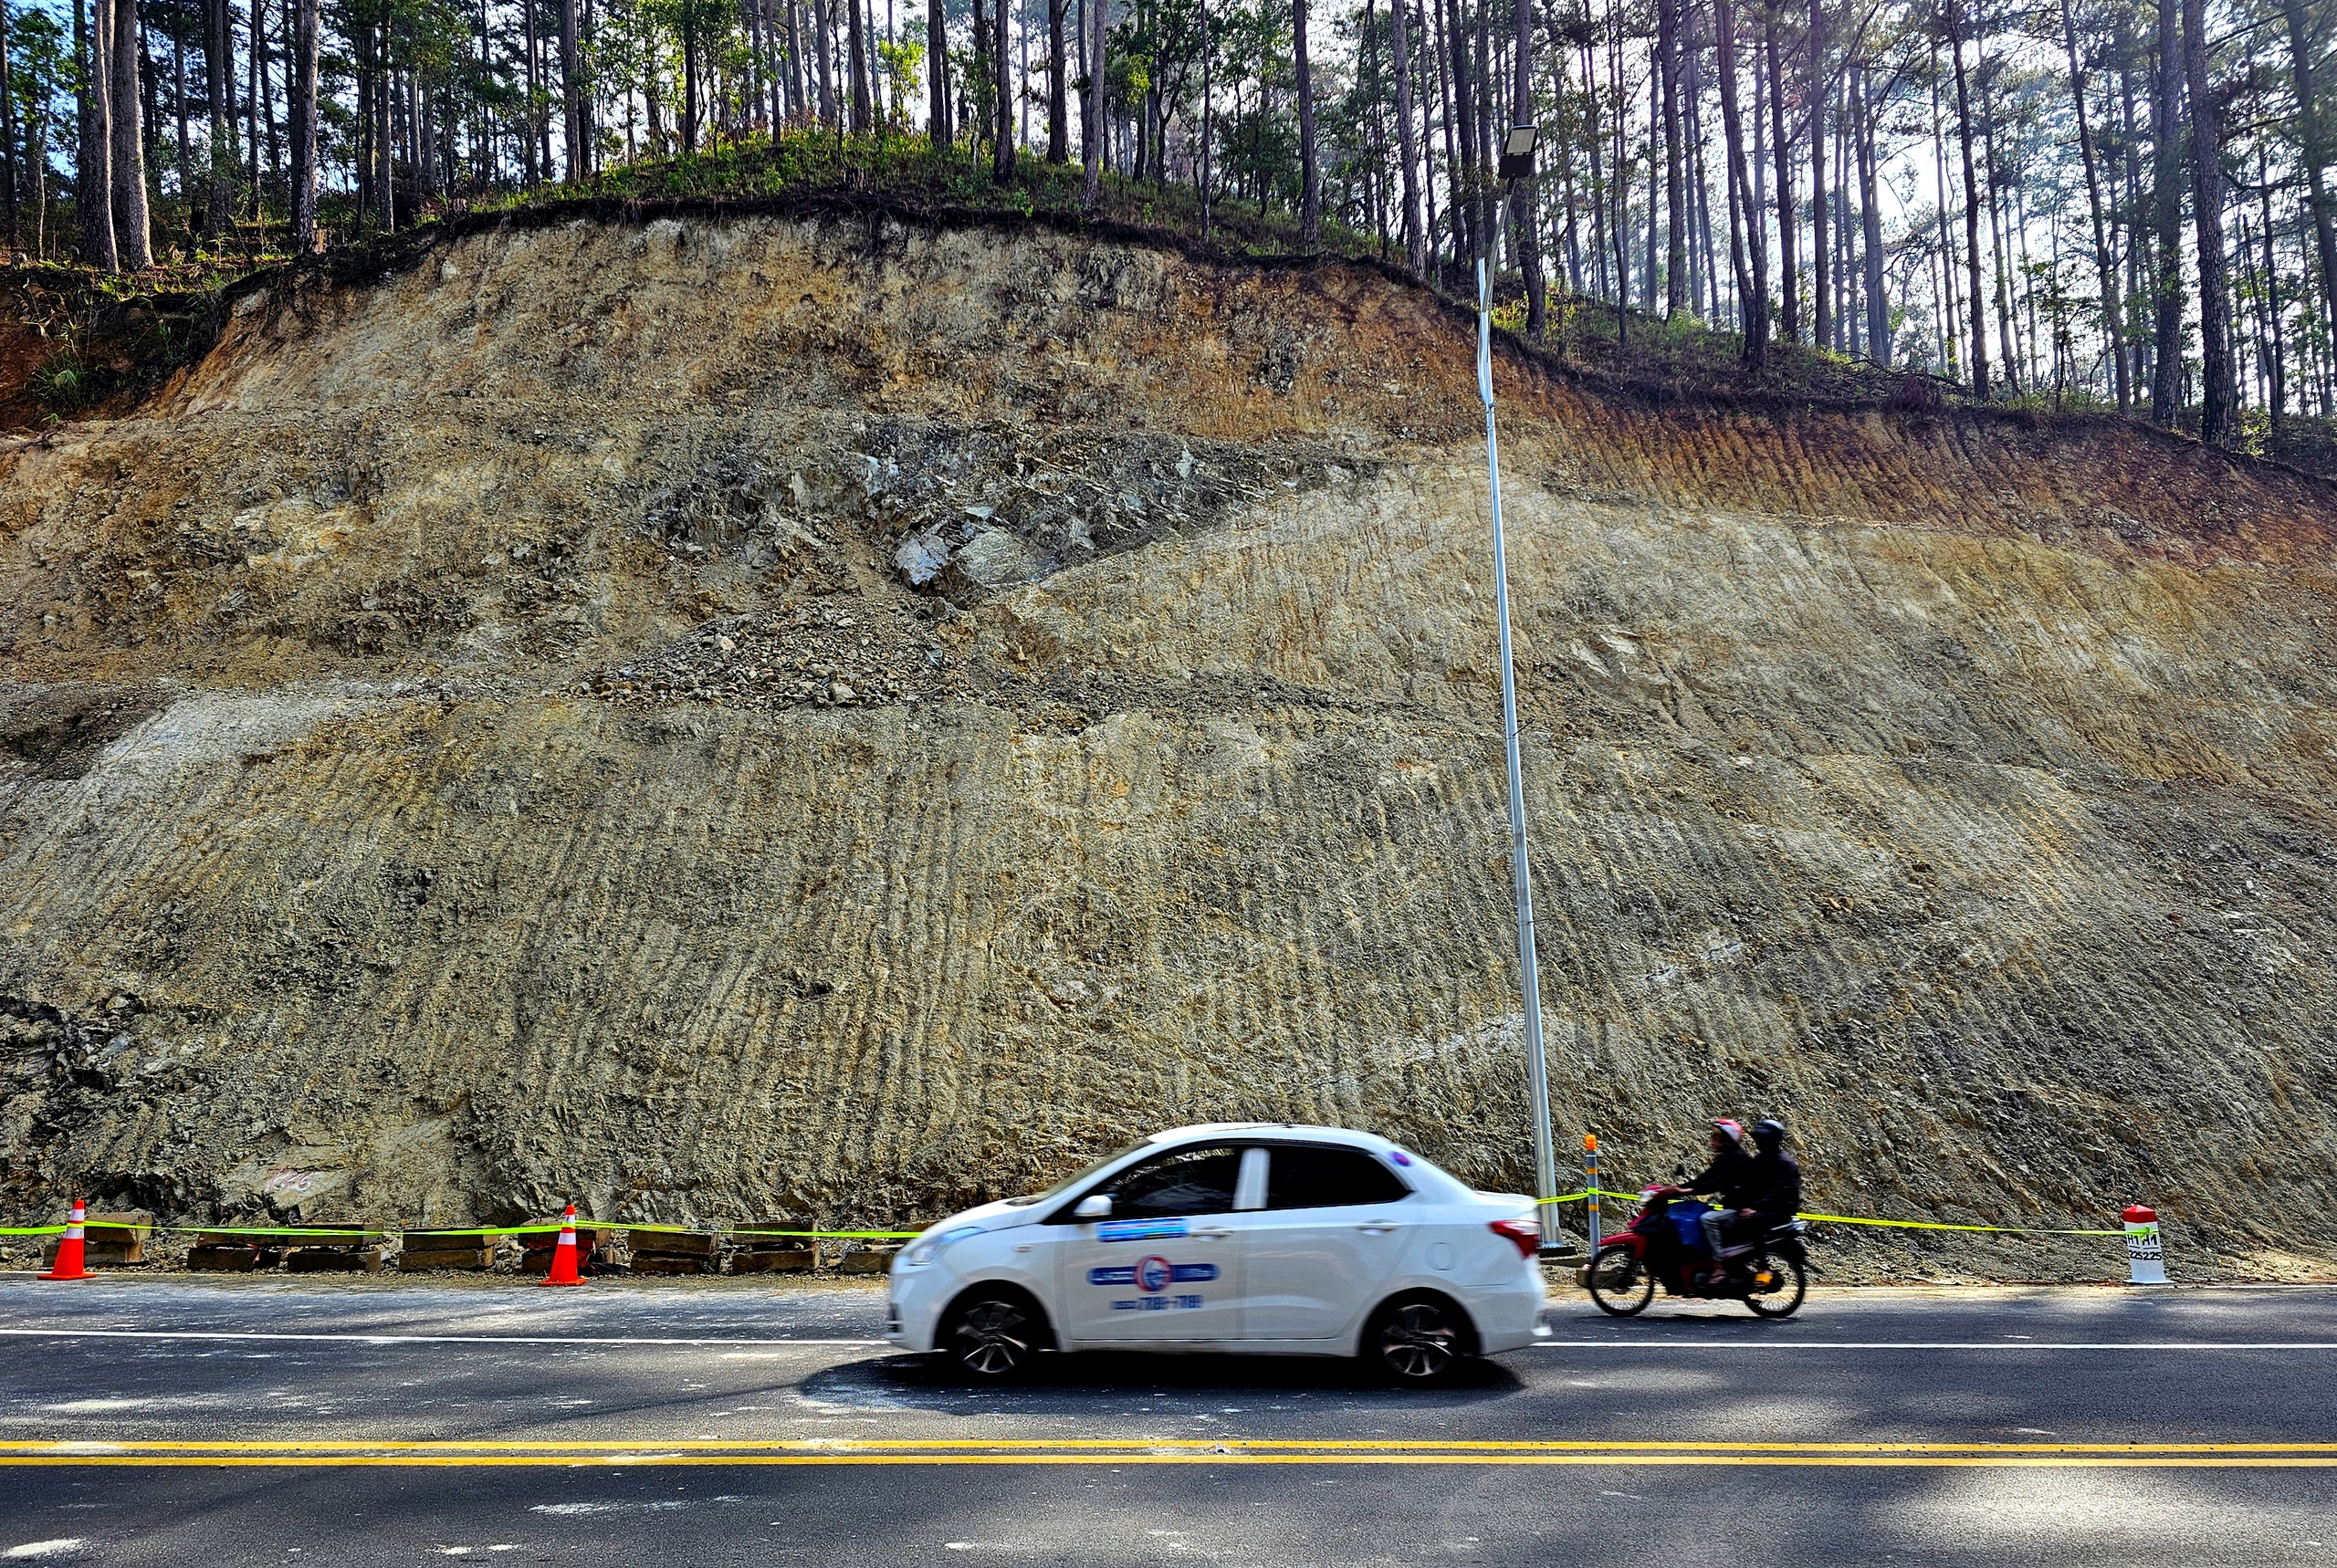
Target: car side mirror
point(1097, 1206)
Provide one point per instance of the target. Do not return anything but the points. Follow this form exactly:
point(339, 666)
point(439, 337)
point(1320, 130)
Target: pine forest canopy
point(2115, 204)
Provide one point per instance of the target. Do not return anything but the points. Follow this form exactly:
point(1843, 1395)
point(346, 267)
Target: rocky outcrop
point(730, 717)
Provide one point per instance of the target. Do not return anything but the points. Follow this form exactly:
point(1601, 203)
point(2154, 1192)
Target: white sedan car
point(1249, 1236)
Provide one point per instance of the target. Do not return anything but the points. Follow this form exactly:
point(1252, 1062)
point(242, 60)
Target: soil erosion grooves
point(757, 716)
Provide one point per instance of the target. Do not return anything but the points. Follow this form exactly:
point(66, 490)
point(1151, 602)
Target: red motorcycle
point(1664, 1246)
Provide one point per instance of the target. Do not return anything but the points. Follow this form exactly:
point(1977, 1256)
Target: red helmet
point(1735, 1129)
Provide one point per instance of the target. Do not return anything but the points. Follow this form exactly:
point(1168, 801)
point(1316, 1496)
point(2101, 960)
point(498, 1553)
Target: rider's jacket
point(1730, 1175)
point(1773, 1187)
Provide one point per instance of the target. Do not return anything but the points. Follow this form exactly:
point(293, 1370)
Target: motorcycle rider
point(1730, 1177)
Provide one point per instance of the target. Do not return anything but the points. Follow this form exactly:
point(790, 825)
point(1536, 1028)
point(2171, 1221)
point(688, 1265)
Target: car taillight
point(1522, 1234)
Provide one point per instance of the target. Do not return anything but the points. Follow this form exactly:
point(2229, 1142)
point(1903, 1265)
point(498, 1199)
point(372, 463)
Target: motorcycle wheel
point(1617, 1282)
point(1788, 1282)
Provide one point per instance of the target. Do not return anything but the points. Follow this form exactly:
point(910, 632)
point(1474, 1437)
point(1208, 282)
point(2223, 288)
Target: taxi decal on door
point(1139, 1229)
point(1153, 1276)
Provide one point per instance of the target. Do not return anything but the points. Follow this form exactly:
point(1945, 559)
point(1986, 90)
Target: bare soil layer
point(727, 718)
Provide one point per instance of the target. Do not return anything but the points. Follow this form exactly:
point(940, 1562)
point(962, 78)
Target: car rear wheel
point(1417, 1341)
point(1618, 1282)
point(993, 1337)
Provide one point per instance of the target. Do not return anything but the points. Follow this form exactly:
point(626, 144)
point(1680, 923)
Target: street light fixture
point(1517, 151)
point(1537, 1072)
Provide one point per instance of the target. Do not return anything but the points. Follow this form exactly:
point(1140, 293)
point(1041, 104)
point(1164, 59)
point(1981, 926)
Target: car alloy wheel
point(993, 1338)
point(1417, 1341)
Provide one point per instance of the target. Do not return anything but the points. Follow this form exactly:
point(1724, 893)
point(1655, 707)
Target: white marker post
point(2145, 1258)
point(1537, 1078)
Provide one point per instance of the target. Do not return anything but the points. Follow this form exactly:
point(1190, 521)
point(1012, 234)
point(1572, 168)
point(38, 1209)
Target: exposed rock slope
point(736, 717)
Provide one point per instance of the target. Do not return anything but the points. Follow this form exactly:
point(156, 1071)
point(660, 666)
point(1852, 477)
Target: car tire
point(1417, 1341)
point(993, 1335)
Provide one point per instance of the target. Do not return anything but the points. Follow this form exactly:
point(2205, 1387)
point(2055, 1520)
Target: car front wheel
point(1417, 1341)
point(993, 1337)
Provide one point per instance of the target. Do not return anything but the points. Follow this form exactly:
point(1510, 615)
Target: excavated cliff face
point(741, 718)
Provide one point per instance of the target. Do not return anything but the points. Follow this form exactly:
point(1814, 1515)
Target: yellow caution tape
point(299, 1233)
point(1857, 1219)
point(1937, 1225)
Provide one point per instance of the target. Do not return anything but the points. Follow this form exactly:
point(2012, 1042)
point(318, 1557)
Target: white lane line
point(1652, 1342)
point(411, 1338)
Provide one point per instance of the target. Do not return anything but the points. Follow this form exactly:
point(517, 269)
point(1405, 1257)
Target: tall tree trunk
point(936, 73)
point(2276, 361)
point(1703, 287)
point(1743, 206)
point(1675, 255)
point(425, 140)
point(2217, 392)
point(822, 38)
point(1058, 113)
point(1820, 299)
point(1997, 225)
point(2167, 200)
point(301, 106)
point(93, 172)
point(386, 141)
point(1971, 200)
point(1098, 16)
point(2313, 134)
point(178, 111)
point(1407, 145)
point(1488, 198)
point(256, 107)
point(756, 57)
point(572, 96)
point(1002, 166)
point(8, 134)
point(2112, 312)
point(1878, 306)
point(1209, 107)
point(857, 57)
point(1781, 149)
point(133, 242)
point(1653, 267)
point(1310, 179)
point(1525, 205)
point(219, 73)
point(1463, 115)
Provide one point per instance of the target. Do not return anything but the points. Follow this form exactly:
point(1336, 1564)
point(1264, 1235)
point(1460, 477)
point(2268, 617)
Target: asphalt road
point(147, 1420)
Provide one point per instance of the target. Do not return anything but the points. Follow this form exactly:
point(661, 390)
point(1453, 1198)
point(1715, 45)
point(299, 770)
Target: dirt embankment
point(730, 719)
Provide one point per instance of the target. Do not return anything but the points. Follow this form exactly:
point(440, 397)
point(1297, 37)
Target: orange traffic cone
point(563, 1257)
point(69, 1250)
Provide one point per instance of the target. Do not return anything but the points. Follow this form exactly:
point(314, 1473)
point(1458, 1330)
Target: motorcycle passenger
point(1729, 1176)
point(1777, 1185)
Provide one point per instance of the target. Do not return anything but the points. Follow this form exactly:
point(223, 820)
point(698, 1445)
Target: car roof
point(1298, 1131)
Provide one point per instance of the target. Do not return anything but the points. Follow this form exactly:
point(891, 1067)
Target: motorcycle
point(1664, 1246)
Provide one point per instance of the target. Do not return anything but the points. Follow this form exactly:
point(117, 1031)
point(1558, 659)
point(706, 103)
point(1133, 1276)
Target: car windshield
point(1077, 1176)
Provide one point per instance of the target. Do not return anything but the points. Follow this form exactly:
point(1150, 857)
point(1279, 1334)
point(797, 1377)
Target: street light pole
point(1537, 1075)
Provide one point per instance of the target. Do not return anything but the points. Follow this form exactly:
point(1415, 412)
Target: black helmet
point(1768, 1133)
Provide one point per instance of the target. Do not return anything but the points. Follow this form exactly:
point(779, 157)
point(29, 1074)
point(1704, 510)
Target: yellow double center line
point(715, 1451)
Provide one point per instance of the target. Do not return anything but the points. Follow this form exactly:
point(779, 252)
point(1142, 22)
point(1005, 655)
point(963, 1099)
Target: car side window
point(1328, 1176)
point(1182, 1183)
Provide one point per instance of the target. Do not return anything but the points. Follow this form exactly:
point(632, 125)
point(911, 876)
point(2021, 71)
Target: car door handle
point(1213, 1234)
point(1381, 1228)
